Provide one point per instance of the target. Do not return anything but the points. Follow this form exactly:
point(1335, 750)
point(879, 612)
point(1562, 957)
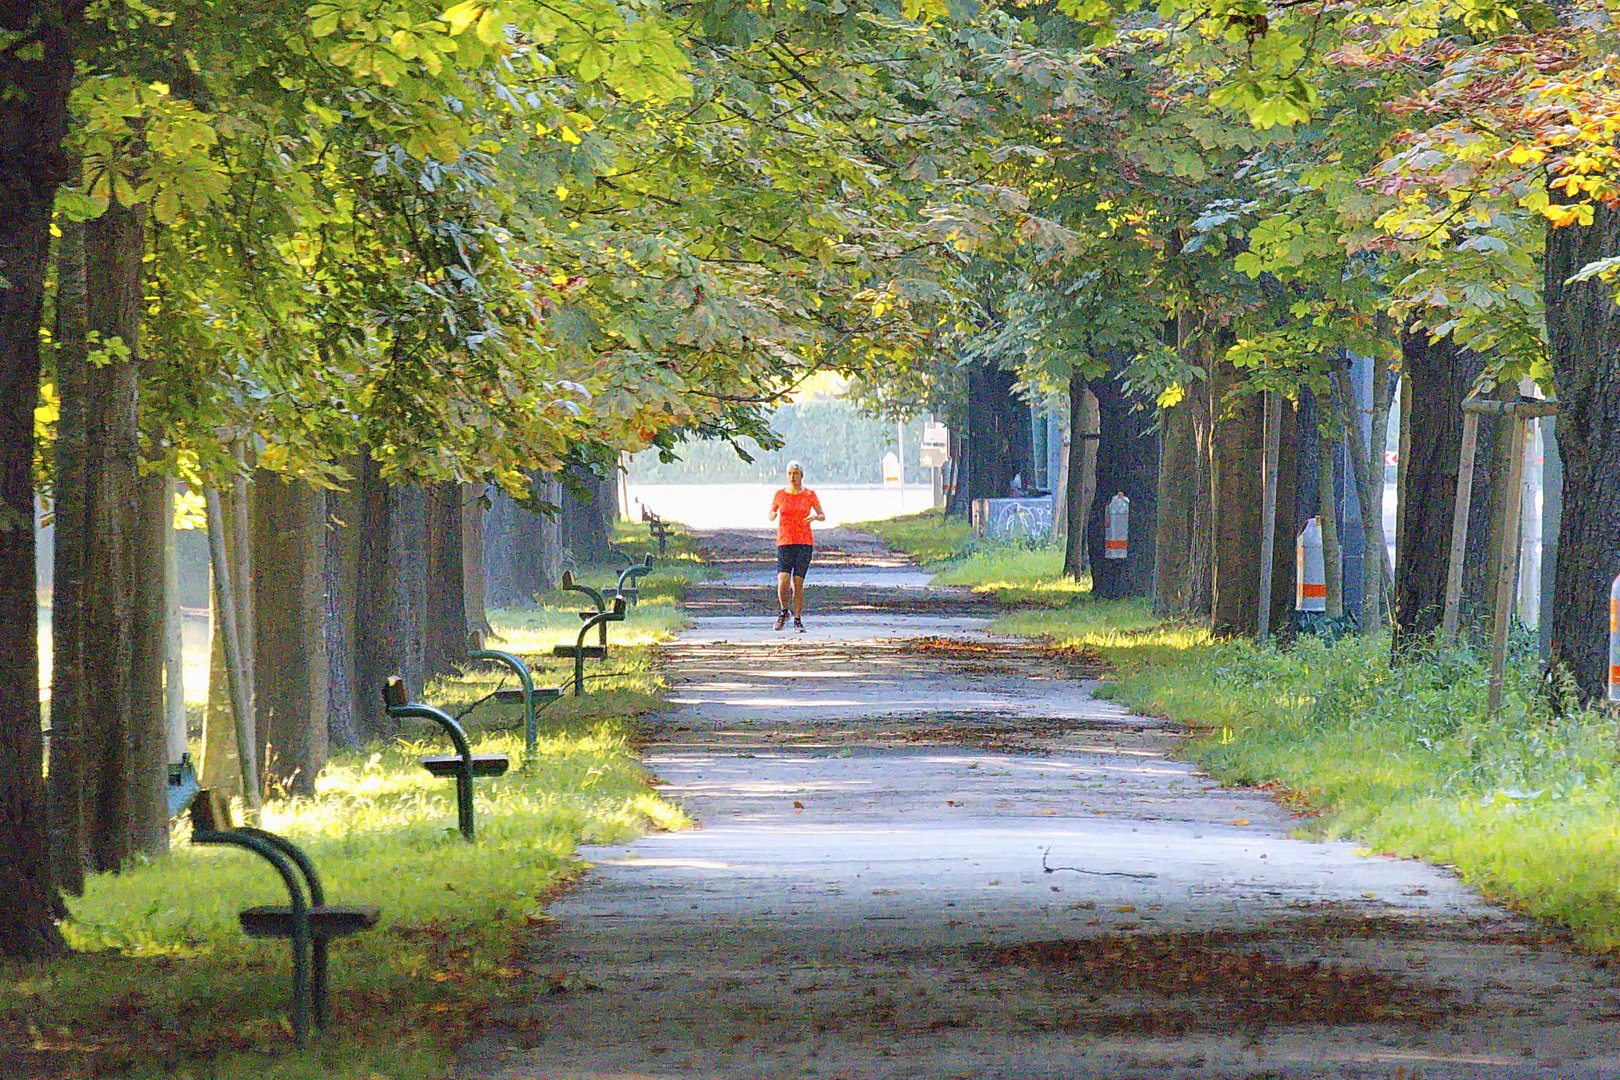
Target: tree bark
point(1437, 377)
point(444, 620)
point(289, 636)
point(114, 244)
point(998, 446)
point(1082, 475)
point(1128, 464)
point(71, 694)
point(1287, 520)
point(228, 722)
point(34, 86)
point(473, 579)
point(583, 519)
point(345, 705)
point(1583, 328)
point(1235, 494)
point(1178, 496)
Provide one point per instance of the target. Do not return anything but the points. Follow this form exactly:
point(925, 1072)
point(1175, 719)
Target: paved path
point(925, 852)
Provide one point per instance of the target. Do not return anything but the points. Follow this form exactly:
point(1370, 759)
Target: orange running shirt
point(793, 516)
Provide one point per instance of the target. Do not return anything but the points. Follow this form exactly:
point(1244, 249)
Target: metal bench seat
point(513, 695)
point(449, 765)
point(325, 920)
point(588, 652)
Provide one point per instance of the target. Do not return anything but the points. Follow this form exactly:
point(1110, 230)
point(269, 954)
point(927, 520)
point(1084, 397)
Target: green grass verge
point(165, 984)
point(1403, 759)
point(1015, 574)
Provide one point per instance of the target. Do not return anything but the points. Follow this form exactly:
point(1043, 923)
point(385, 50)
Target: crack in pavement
point(885, 806)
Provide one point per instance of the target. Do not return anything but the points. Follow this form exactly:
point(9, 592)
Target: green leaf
point(463, 15)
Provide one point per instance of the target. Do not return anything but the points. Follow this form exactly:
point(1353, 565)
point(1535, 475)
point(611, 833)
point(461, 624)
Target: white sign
point(936, 443)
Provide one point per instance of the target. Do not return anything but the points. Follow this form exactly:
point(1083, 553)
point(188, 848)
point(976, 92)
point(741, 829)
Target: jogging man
point(793, 509)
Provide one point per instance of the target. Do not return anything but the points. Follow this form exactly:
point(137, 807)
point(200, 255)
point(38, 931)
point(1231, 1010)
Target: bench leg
point(301, 984)
point(464, 801)
point(579, 672)
point(317, 984)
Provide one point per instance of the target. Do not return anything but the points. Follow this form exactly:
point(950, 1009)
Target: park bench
point(658, 527)
point(462, 766)
point(526, 694)
point(307, 920)
point(597, 620)
point(632, 573)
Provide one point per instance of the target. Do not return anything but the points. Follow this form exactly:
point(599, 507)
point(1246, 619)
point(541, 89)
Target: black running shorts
point(794, 559)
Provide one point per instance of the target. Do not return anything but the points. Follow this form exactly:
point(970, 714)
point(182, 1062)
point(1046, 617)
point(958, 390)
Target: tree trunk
point(289, 636)
point(1178, 495)
point(1327, 512)
point(231, 634)
point(407, 572)
point(473, 505)
point(521, 546)
point(583, 520)
point(1287, 520)
point(1369, 502)
point(113, 248)
point(1082, 475)
point(345, 517)
point(149, 749)
point(228, 722)
point(33, 120)
point(1235, 494)
point(1128, 464)
point(444, 617)
point(1583, 327)
point(174, 646)
point(998, 447)
point(1437, 377)
point(71, 694)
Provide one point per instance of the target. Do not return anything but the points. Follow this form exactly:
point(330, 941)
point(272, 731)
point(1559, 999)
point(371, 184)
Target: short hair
point(795, 465)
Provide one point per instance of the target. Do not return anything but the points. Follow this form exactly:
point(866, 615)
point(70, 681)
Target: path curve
point(927, 852)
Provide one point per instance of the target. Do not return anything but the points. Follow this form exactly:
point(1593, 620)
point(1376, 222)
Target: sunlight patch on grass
point(166, 984)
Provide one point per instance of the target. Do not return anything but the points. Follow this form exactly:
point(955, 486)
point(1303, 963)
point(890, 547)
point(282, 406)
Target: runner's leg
point(784, 589)
point(798, 597)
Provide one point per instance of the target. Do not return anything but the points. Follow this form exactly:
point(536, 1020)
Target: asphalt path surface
point(925, 851)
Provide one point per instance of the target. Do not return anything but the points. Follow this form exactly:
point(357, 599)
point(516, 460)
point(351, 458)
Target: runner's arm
point(821, 515)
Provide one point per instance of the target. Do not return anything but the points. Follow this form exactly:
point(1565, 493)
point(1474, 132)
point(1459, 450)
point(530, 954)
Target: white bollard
point(1118, 529)
point(1614, 641)
point(1310, 569)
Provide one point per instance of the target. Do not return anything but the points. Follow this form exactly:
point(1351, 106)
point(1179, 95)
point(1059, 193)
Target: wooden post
point(225, 598)
point(1268, 525)
point(1459, 524)
point(1507, 559)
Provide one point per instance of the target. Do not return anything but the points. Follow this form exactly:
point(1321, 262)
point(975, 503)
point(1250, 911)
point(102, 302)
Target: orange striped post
point(1614, 641)
point(1310, 569)
point(1117, 531)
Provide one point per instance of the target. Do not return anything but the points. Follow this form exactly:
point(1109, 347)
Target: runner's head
point(795, 474)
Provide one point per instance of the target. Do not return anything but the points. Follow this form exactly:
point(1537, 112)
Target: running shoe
point(781, 620)
point(798, 624)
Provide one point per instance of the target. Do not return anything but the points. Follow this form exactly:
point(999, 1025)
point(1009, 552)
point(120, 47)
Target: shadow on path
point(928, 852)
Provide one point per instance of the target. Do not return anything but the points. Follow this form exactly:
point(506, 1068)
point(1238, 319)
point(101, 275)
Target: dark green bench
point(306, 920)
point(462, 766)
point(579, 652)
point(528, 695)
point(658, 527)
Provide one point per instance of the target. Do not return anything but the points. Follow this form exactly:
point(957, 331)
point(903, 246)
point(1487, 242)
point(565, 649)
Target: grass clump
point(1013, 572)
point(165, 984)
point(928, 537)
